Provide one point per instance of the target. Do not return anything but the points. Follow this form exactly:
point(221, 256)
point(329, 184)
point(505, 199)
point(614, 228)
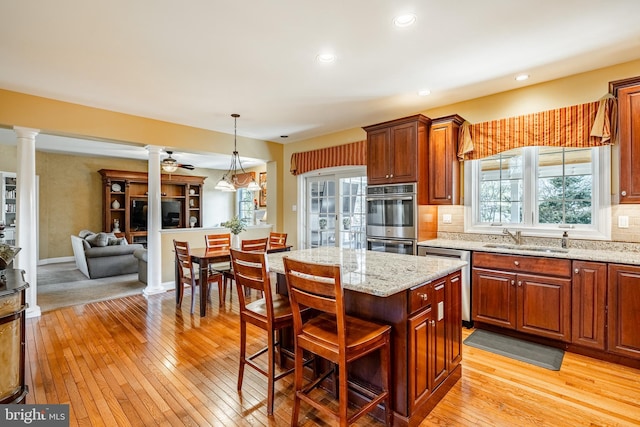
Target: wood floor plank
point(136, 361)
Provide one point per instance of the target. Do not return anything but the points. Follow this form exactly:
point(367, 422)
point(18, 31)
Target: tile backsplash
point(630, 234)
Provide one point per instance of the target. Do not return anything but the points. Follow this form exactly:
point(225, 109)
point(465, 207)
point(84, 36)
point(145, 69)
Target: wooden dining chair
point(187, 275)
point(271, 313)
point(221, 242)
point(277, 239)
point(255, 245)
point(334, 336)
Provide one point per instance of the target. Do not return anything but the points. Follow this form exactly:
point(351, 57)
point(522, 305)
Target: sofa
point(104, 254)
point(142, 257)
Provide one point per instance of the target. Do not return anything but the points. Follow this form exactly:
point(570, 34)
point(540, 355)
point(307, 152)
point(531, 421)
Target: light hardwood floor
point(136, 361)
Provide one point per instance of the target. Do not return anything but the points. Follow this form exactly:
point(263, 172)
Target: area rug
point(54, 296)
point(536, 354)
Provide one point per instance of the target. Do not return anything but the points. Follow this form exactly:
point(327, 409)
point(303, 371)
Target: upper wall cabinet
point(397, 151)
point(628, 93)
point(444, 171)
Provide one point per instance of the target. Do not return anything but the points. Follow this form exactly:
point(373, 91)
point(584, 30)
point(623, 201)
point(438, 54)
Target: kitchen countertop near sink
point(595, 254)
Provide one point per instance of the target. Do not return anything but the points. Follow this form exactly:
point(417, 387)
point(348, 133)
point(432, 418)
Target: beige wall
point(578, 89)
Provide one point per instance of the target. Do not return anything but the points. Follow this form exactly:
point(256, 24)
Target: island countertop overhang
point(376, 273)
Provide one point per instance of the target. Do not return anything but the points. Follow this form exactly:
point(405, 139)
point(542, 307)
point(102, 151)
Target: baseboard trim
point(59, 260)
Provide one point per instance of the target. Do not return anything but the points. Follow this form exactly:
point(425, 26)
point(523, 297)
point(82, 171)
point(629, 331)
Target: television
point(171, 214)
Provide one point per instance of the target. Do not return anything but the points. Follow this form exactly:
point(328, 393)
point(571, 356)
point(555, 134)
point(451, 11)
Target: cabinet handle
point(424, 297)
point(513, 282)
point(433, 323)
point(623, 193)
point(519, 282)
point(516, 262)
point(576, 271)
point(391, 176)
point(386, 176)
point(449, 197)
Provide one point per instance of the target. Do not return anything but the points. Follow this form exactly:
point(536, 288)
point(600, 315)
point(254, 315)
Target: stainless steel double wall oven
point(392, 215)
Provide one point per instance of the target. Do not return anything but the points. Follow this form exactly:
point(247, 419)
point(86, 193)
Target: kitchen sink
point(534, 248)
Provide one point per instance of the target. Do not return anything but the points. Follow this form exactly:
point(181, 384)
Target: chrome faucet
point(517, 237)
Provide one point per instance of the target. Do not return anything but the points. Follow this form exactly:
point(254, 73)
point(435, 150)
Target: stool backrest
point(317, 286)
point(250, 270)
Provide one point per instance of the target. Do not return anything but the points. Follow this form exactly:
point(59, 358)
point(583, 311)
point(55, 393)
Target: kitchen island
point(419, 297)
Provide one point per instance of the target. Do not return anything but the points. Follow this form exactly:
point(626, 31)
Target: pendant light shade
point(229, 181)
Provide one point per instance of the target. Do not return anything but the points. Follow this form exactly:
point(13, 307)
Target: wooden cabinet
point(588, 296)
point(628, 93)
point(125, 202)
point(12, 337)
point(444, 171)
point(624, 310)
point(508, 292)
point(397, 150)
point(435, 336)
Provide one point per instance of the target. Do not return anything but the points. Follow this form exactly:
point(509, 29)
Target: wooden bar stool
point(335, 336)
point(270, 313)
point(188, 276)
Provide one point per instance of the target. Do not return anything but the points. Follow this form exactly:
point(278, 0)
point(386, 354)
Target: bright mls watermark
point(34, 415)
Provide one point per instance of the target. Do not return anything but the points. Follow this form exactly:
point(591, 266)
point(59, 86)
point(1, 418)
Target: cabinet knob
point(433, 323)
point(576, 271)
point(391, 176)
point(386, 176)
point(516, 262)
point(424, 297)
point(623, 193)
point(519, 282)
point(513, 282)
point(449, 197)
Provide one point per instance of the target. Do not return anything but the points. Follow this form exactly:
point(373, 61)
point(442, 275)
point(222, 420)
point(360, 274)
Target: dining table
point(204, 257)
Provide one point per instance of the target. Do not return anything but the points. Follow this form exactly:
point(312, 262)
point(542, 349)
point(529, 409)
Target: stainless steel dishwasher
point(466, 275)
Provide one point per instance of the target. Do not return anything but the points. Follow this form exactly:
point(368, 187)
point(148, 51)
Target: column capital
point(23, 132)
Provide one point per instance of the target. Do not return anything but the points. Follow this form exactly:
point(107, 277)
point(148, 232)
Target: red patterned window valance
point(354, 153)
point(585, 125)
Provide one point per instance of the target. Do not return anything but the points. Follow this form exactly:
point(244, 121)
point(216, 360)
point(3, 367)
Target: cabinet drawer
point(540, 265)
point(420, 297)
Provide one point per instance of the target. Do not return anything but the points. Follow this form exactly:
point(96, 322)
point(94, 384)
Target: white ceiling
point(196, 62)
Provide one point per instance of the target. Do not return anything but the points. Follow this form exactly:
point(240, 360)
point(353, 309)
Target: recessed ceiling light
point(326, 57)
point(522, 77)
point(424, 92)
point(406, 20)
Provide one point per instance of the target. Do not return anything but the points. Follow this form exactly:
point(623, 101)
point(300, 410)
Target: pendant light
point(229, 181)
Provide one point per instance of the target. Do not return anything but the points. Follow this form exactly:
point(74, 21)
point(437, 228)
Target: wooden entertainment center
point(125, 201)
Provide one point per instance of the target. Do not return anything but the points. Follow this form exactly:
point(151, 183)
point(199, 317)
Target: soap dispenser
point(565, 240)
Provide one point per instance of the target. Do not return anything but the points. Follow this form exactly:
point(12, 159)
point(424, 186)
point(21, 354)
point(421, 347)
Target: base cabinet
point(512, 296)
point(588, 304)
point(624, 310)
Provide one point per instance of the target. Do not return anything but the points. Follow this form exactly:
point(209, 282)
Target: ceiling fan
point(171, 165)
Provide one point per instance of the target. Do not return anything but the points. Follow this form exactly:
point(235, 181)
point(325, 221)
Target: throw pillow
point(116, 241)
point(98, 240)
point(85, 233)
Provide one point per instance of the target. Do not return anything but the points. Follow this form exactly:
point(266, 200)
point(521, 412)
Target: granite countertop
point(376, 273)
point(601, 254)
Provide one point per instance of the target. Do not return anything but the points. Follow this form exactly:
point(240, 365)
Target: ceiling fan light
point(169, 165)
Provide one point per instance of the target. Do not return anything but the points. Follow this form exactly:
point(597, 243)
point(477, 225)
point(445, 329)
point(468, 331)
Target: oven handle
point(389, 240)
point(373, 199)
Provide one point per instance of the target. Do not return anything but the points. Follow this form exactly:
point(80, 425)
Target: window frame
point(600, 229)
